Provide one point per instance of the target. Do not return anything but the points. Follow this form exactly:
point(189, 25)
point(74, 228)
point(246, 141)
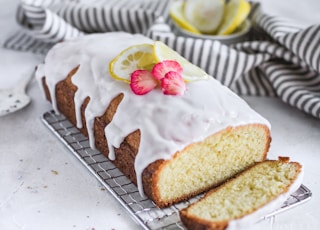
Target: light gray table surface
point(43, 186)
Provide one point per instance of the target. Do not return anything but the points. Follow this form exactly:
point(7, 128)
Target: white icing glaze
point(245, 222)
point(167, 123)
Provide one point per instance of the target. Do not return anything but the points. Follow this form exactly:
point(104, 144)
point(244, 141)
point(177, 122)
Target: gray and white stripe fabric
point(278, 58)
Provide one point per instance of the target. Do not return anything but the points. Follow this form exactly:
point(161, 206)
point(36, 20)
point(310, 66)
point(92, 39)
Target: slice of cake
point(171, 131)
point(245, 199)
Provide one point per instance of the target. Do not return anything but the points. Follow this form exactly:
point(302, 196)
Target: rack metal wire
point(141, 209)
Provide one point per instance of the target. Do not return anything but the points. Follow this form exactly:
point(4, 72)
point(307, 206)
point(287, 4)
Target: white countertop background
point(43, 186)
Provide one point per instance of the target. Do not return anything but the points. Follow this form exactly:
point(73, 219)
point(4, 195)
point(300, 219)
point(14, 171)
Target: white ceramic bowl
point(237, 36)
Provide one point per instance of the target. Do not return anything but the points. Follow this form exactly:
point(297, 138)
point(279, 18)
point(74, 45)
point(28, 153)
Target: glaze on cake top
point(167, 123)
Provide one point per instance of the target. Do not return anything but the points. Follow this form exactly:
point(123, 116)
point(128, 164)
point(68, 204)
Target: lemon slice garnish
point(236, 11)
point(133, 58)
point(205, 15)
point(145, 56)
point(190, 72)
point(177, 15)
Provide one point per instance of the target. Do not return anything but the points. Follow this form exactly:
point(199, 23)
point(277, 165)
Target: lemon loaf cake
point(170, 128)
point(245, 199)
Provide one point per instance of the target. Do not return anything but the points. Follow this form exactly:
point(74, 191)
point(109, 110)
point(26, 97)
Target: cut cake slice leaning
point(246, 198)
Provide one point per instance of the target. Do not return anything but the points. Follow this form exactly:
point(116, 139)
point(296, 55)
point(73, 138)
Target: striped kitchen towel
point(278, 58)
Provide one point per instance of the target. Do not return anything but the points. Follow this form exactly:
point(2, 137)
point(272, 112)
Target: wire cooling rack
point(142, 210)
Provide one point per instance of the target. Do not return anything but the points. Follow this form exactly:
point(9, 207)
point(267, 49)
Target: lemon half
point(190, 72)
point(177, 15)
point(205, 15)
point(236, 12)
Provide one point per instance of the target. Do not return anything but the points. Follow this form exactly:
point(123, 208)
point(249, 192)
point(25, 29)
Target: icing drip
point(167, 123)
